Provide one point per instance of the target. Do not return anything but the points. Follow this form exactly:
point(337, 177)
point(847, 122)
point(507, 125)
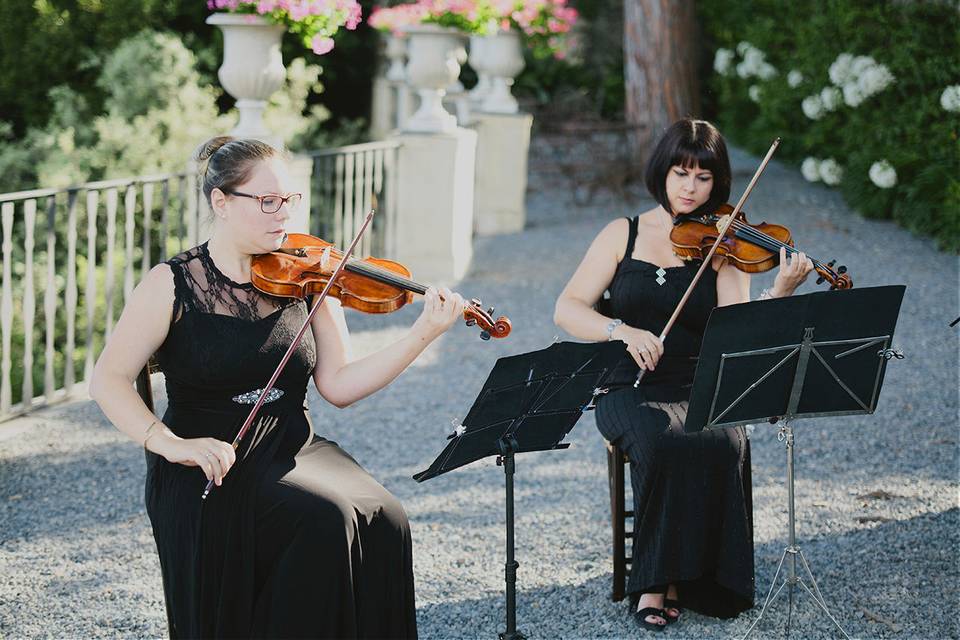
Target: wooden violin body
point(304, 264)
point(752, 248)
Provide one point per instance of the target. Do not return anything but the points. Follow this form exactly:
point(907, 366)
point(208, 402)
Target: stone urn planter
point(503, 60)
point(479, 93)
point(432, 67)
point(396, 51)
point(252, 68)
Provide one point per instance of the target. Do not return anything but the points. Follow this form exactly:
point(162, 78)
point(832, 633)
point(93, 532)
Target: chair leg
point(144, 387)
point(617, 512)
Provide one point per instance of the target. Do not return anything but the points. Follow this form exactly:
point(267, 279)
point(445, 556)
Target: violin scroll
point(474, 315)
point(838, 278)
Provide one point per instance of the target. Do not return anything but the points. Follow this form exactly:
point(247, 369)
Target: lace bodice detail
point(200, 286)
point(226, 338)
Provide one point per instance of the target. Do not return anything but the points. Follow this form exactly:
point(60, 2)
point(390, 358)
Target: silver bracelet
point(616, 322)
point(149, 433)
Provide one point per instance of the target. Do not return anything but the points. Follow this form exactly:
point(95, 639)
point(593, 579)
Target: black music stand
point(822, 354)
point(529, 402)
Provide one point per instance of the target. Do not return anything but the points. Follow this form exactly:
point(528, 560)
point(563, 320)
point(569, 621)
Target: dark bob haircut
point(689, 143)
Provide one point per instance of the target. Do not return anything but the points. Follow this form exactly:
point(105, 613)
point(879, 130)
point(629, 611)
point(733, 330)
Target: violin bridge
point(325, 258)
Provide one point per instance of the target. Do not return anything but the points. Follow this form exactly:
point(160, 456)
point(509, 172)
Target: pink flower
point(266, 6)
point(354, 16)
point(321, 45)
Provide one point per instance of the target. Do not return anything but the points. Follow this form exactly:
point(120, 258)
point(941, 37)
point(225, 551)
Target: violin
point(752, 248)
point(304, 264)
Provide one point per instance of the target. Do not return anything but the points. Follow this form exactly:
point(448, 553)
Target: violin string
point(748, 232)
point(385, 276)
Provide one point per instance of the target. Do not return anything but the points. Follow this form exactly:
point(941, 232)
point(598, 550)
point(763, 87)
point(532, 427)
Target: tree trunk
point(660, 68)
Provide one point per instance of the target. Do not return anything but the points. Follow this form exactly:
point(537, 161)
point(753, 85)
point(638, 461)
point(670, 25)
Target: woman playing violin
point(297, 540)
point(692, 544)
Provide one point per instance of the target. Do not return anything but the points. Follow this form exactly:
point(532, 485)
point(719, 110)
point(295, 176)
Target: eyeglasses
point(271, 202)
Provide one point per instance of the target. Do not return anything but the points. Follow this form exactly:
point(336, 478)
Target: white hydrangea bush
point(883, 175)
point(812, 107)
point(753, 63)
point(859, 77)
point(810, 168)
point(950, 98)
point(831, 172)
point(723, 61)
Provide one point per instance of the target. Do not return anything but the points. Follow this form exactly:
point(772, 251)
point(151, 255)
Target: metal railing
point(72, 256)
point(346, 183)
point(95, 242)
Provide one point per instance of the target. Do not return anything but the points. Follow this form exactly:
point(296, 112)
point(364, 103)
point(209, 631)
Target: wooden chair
point(616, 460)
point(143, 385)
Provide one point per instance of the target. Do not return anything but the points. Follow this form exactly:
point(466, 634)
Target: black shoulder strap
point(632, 236)
point(184, 298)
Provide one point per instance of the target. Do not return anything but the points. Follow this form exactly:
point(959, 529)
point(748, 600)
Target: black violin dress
point(691, 491)
point(299, 541)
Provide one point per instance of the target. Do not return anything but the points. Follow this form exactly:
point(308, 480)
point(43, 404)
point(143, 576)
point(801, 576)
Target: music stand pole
point(506, 459)
point(792, 551)
point(529, 402)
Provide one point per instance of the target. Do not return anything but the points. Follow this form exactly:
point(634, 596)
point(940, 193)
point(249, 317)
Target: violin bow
point(716, 243)
point(294, 344)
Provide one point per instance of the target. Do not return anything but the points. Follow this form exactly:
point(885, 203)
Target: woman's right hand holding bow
point(644, 347)
point(214, 457)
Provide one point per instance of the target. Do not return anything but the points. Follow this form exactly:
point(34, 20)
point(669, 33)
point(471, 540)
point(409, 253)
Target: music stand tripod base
point(791, 552)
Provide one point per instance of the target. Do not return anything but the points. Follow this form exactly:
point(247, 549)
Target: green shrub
point(46, 43)
point(150, 84)
point(588, 83)
point(769, 42)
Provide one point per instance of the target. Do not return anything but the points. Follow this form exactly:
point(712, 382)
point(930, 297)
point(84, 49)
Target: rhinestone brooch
point(250, 397)
point(661, 272)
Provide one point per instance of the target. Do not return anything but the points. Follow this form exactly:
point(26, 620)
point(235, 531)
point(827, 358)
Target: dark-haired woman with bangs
point(692, 543)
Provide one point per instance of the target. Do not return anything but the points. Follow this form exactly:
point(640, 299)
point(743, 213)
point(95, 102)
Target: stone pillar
point(503, 143)
point(301, 171)
point(382, 108)
point(407, 103)
point(434, 223)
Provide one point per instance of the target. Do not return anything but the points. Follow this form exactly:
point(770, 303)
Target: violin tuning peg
point(490, 311)
point(841, 269)
point(820, 280)
point(831, 263)
point(484, 335)
point(471, 322)
point(476, 302)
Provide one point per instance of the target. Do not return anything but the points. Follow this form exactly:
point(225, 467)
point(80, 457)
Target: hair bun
point(210, 147)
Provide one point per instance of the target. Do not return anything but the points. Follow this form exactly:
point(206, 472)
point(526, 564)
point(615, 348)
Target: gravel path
point(876, 495)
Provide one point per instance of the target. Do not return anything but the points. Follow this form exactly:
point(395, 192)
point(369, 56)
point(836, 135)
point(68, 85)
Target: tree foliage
point(901, 121)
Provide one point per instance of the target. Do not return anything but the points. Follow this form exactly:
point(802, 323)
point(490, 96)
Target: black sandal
point(670, 603)
point(641, 617)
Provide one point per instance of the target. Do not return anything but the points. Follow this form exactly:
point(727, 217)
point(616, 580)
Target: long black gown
point(299, 541)
point(691, 491)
